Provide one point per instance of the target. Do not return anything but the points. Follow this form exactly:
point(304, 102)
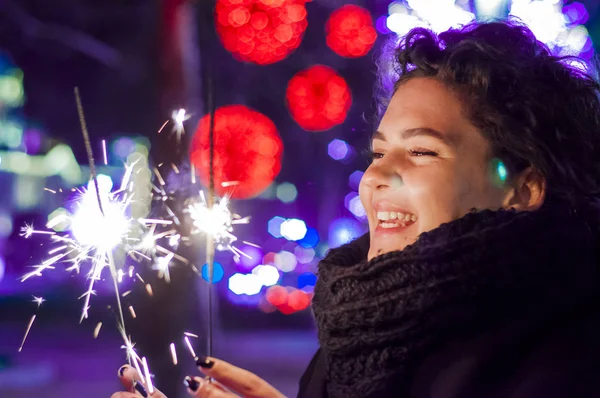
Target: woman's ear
point(527, 191)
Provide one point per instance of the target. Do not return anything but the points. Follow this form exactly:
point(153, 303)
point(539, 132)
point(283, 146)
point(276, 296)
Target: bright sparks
point(216, 221)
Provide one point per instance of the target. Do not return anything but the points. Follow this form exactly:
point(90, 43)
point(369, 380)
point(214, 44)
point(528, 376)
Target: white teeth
point(388, 225)
point(383, 215)
point(392, 216)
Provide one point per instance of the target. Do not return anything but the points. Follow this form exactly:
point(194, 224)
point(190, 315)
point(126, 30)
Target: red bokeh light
point(247, 151)
point(261, 31)
point(277, 295)
point(318, 98)
point(350, 31)
point(298, 300)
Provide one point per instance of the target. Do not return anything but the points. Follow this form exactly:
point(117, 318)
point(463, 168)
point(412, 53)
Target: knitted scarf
point(377, 319)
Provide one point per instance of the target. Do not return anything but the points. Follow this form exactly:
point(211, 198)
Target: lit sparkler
point(216, 222)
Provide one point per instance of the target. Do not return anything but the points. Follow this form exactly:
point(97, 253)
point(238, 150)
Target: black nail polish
point(191, 383)
point(204, 362)
point(122, 370)
point(140, 388)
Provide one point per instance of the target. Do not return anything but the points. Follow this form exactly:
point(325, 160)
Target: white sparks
point(189, 345)
point(216, 221)
point(27, 332)
point(38, 300)
point(104, 154)
point(132, 311)
point(147, 376)
point(97, 329)
point(173, 353)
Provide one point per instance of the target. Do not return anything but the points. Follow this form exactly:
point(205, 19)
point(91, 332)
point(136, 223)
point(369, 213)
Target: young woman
point(480, 275)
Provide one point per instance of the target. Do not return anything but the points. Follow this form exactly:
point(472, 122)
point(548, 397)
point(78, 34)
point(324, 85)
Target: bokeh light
point(437, 15)
point(354, 179)
point(306, 279)
point(293, 229)
point(304, 255)
point(287, 192)
point(277, 295)
point(354, 205)
point(248, 284)
point(350, 31)
point(338, 149)
point(318, 98)
point(344, 230)
point(218, 272)
point(563, 33)
point(251, 258)
point(274, 226)
point(261, 31)
point(311, 238)
point(247, 155)
point(267, 274)
point(285, 261)
point(298, 300)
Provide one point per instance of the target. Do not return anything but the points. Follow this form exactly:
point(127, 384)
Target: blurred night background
point(293, 83)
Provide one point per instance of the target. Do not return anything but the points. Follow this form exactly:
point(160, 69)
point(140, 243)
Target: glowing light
point(344, 230)
point(216, 221)
point(307, 279)
point(218, 272)
point(293, 229)
point(298, 300)
point(277, 295)
point(253, 256)
point(561, 32)
point(287, 192)
point(247, 151)
point(318, 98)
point(261, 31)
point(248, 284)
point(285, 261)
point(437, 15)
point(268, 275)
point(274, 226)
point(354, 205)
point(354, 179)
point(350, 31)
point(338, 149)
point(304, 255)
point(91, 226)
point(311, 239)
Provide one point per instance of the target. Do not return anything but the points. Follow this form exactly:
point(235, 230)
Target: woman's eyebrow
point(447, 139)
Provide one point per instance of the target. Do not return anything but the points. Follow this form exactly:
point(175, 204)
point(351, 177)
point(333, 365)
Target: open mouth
point(395, 219)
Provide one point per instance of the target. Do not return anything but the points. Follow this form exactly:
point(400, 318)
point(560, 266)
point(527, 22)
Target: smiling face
point(430, 166)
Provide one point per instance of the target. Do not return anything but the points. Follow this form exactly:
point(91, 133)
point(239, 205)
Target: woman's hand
point(130, 379)
point(228, 381)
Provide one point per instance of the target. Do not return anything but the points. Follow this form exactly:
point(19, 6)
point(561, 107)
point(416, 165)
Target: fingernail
point(122, 370)
point(140, 388)
point(204, 362)
point(191, 383)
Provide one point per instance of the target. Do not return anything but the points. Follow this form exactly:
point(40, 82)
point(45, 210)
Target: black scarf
point(377, 319)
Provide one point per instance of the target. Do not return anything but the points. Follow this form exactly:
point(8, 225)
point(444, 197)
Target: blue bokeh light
point(218, 272)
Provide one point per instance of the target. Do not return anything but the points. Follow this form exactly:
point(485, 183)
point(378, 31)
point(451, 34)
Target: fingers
point(239, 380)
point(199, 387)
point(131, 380)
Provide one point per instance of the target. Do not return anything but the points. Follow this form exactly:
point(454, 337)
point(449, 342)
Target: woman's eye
point(422, 152)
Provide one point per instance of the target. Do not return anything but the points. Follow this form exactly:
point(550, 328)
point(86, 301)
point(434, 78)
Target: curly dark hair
point(536, 109)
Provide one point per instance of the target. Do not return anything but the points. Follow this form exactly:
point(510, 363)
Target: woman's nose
point(382, 175)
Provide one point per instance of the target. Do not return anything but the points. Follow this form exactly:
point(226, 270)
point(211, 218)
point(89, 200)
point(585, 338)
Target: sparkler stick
point(109, 255)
